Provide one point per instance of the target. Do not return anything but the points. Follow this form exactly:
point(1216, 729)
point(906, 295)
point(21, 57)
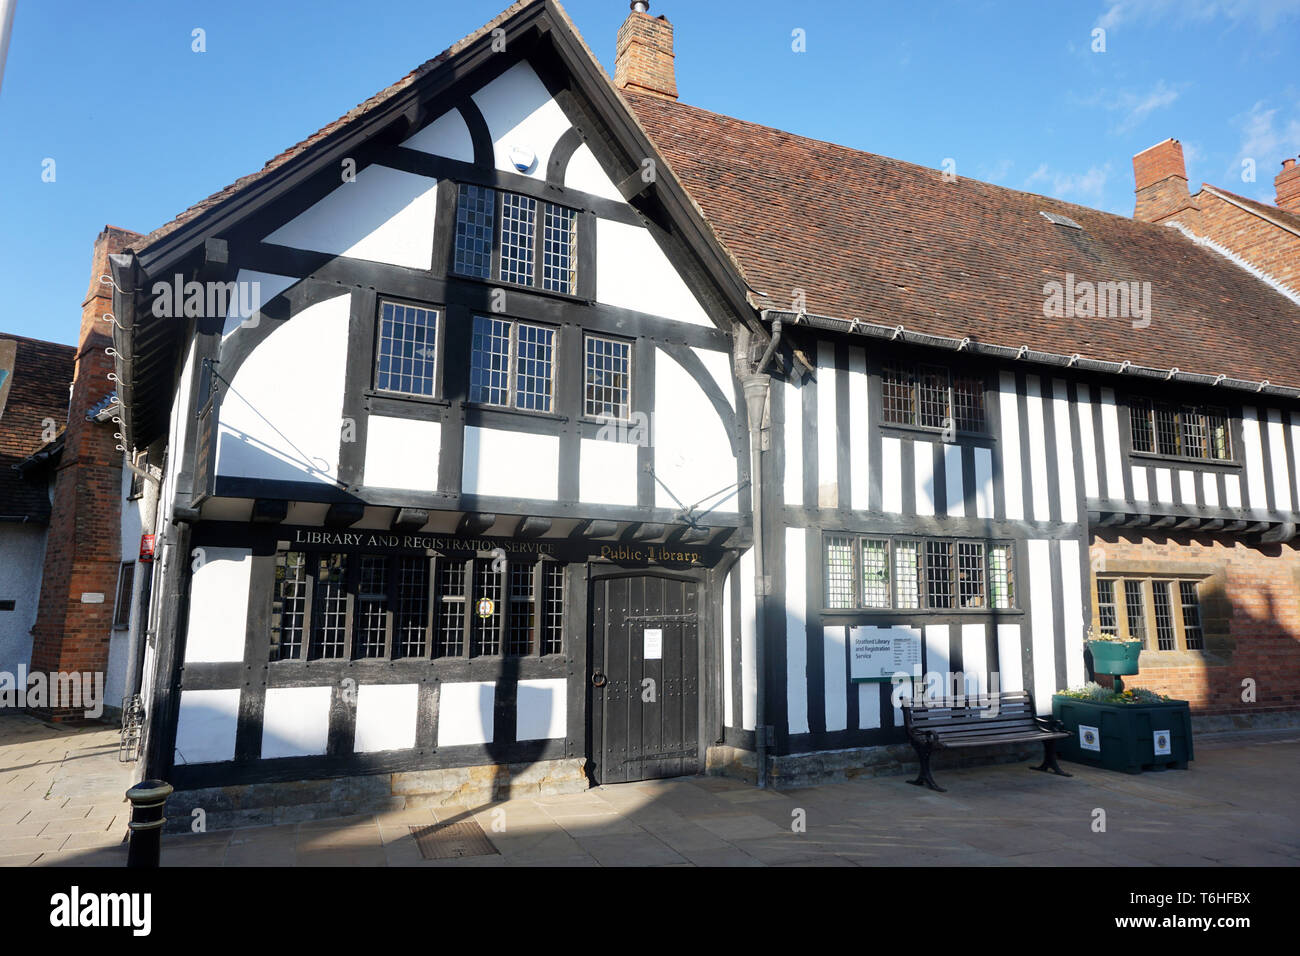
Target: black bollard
point(148, 797)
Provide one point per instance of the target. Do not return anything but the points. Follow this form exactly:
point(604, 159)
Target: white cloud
point(1084, 188)
point(1265, 14)
point(1268, 136)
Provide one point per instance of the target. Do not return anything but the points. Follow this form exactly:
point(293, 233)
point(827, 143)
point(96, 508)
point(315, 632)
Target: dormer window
point(931, 396)
point(1180, 431)
point(508, 237)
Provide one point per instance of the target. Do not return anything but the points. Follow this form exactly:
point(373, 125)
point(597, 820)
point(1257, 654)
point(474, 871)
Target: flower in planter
point(1094, 692)
point(1094, 635)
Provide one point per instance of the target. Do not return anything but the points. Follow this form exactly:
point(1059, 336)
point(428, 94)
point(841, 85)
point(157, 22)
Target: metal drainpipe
point(756, 386)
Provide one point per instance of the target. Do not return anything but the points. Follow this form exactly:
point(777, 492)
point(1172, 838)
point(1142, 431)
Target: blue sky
point(139, 126)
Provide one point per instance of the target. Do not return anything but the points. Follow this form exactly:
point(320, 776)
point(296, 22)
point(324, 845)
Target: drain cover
point(447, 841)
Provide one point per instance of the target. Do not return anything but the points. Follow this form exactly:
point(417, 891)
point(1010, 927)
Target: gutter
point(125, 275)
point(898, 333)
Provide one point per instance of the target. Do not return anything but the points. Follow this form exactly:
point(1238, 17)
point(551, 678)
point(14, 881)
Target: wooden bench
point(1008, 718)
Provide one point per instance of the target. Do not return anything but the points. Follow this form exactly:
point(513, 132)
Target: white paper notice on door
point(654, 644)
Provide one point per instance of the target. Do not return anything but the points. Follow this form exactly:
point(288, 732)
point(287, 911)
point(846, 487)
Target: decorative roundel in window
point(522, 158)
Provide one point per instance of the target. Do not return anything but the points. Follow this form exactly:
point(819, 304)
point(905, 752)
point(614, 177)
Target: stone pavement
point(1235, 807)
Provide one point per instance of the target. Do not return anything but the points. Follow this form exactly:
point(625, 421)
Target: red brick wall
point(645, 56)
point(83, 548)
point(1258, 241)
point(1250, 604)
point(1160, 177)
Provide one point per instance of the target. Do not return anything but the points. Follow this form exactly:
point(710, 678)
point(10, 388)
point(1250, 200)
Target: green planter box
point(1115, 657)
point(1126, 737)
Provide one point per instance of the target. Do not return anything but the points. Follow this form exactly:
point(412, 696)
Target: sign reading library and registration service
point(878, 653)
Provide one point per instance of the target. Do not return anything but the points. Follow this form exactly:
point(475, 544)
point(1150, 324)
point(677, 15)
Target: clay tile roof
point(888, 242)
point(38, 390)
point(1262, 208)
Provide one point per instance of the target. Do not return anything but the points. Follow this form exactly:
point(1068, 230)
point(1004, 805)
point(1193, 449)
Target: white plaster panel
point(954, 486)
point(983, 483)
point(1088, 442)
point(402, 453)
point(384, 215)
point(296, 722)
point(387, 716)
point(891, 475)
point(1064, 451)
point(974, 659)
point(1277, 453)
point(519, 112)
point(1164, 485)
point(540, 709)
point(937, 654)
point(1037, 448)
point(253, 290)
point(493, 460)
point(1010, 658)
point(465, 713)
point(446, 136)
point(923, 467)
point(796, 633)
point(1110, 435)
point(1187, 486)
point(835, 665)
point(585, 175)
point(206, 724)
point(1043, 633)
point(1210, 488)
point(607, 473)
point(632, 272)
point(868, 705)
point(1072, 571)
point(793, 429)
point(218, 606)
point(692, 454)
point(1014, 506)
point(282, 418)
point(728, 717)
point(859, 437)
point(748, 674)
point(828, 446)
point(1232, 490)
point(1254, 455)
point(1140, 492)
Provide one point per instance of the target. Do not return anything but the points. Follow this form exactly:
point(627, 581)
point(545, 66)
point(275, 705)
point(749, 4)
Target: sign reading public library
point(878, 653)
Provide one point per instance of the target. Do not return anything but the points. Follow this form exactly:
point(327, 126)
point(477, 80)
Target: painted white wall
point(975, 659)
point(796, 633)
point(632, 272)
point(1253, 452)
point(1010, 445)
point(585, 174)
point(1037, 448)
point(748, 673)
point(218, 606)
point(728, 717)
point(1087, 442)
point(205, 729)
point(835, 676)
point(1277, 453)
point(493, 464)
point(519, 112)
point(793, 481)
point(692, 455)
point(296, 722)
point(387, 716)
point(446, 136)
point(383, 215)
point(465, 713)
point(540, 709)
point(282, 419)
point(22, 561)
point(1072, 570)
point(607, 473)
point(859, 440)
point(1065, 451)
point(402, 453)
point(1110, 438)
point(891, 474)
point(923, 469)
point(253, 291)
point(828, 445)
point(1043, 632)
point(1010, 658)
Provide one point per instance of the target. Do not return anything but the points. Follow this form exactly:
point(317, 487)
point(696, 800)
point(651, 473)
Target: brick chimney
point(1287, 184)
point(1161, 179)
point(75, 616)
point(645, 54)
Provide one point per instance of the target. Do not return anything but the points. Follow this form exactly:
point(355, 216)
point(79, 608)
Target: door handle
point(597, 679)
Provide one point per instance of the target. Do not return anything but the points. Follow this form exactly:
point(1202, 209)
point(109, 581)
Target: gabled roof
point(38, 391)
point(892, 243)
point(1282, 216)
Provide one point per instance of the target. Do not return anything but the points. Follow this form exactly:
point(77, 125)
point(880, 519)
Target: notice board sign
point(878, 653)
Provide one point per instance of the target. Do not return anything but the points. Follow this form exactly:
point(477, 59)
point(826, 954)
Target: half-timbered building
point(525, 420)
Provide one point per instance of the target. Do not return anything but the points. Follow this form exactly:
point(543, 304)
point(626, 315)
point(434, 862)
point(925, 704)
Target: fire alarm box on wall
point(146, 547)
